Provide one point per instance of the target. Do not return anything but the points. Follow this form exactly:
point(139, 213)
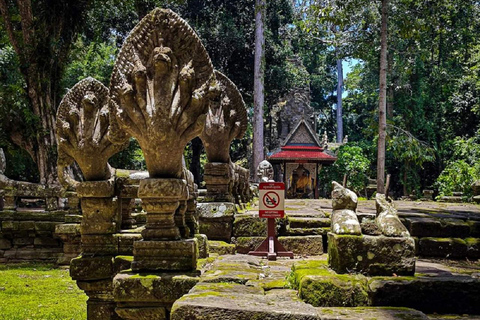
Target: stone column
point(162, 247)
point(93, 270)
point(219, 181)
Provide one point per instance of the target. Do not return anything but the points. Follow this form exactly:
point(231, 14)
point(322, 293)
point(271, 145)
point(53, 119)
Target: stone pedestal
point(178, 255)
point(100, 216)
point(150, 297)
point(94, 269)
point(371, 255)
point(216, 220)
point(162, 248)
point(219, 181)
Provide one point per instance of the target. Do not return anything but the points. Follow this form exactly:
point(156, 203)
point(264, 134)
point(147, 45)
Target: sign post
point(271, 206)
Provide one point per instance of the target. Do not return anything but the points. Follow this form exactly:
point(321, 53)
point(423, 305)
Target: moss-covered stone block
point(91, 268)
point(249, 225)
point(152, 288)
point(216, 220)
point(372, 255)
point(165, 255)
point(246, 244)
point(442, 247)
point(143, 313)
point(473, 248)
point(334, 291)
point(202, 245)
point(424, 227)
point(303, 245)
point(474, 228)
point(221, 247)
point(446, 294)
point(370, 313)
point(308, 222)
point(101, 310)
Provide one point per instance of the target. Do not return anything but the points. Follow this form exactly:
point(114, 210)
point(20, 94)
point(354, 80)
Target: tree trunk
point(382, 105)
point(45, 145)
point(339, 101)
point(258, 95)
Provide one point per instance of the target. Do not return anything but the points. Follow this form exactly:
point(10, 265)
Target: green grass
point(39, 292)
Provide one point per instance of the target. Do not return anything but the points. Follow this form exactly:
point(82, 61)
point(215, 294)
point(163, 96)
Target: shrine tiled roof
point(302, 152)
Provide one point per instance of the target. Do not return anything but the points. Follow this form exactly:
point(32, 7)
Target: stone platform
point(247, 287)
point(440, 230)
point(438, 286)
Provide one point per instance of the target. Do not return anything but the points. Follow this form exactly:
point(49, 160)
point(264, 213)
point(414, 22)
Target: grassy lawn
point(34, 292)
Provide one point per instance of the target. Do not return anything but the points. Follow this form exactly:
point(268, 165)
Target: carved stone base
point(99, 244)
point(142, 313)
point(147, 297)
point(371, 255)
point(165, 255)
point(216, 220)
point(161, 198)
point(101, 310)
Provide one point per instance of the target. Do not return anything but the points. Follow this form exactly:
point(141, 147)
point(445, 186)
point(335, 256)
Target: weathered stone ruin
point(385, 248)
point(139, 238)
point(163, 92)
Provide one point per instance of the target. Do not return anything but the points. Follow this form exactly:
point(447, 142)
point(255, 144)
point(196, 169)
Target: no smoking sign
point(271, 200)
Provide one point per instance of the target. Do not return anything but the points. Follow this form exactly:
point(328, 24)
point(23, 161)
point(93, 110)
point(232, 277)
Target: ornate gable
point(302, 134)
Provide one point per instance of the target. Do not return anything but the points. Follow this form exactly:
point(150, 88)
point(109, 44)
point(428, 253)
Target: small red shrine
point(299, 160)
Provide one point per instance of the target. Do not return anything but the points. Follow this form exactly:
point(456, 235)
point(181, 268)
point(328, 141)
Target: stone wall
point(37, 226)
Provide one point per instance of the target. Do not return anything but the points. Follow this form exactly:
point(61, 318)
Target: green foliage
point(37, 291)
point(131, 158)
point(462, 170)
point(352, 162)
point(458, 176)
point(93, 60)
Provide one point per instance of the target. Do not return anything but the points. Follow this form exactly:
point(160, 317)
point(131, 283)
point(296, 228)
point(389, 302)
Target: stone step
point(221, 247)
point(308, 222)
point(435, 289)
point(209, 301)
point(299, 245)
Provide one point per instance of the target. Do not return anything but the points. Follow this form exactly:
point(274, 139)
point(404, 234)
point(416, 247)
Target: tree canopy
point(432, 92)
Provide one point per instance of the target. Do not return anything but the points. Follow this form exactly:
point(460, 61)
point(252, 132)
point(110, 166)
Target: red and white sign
point(271, 199)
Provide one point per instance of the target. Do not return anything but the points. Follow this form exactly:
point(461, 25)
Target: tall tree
point(41, 34)
point(259, 74)
point(382, 101)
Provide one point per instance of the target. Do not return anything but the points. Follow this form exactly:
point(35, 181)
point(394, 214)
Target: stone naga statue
point(387, 218)
point(161, 87)
point(345, 221)
point(344, 204)
point(265, 171)
point(226, 120)
point(82, 131)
